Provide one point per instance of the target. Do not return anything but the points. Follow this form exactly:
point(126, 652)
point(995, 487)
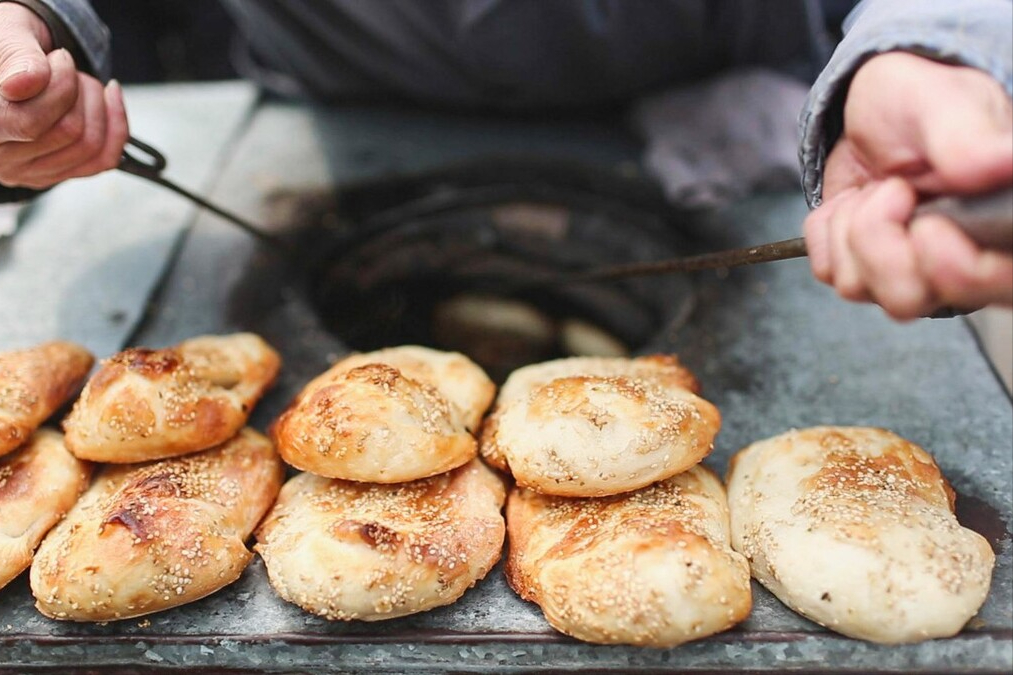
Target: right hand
point(55, 123)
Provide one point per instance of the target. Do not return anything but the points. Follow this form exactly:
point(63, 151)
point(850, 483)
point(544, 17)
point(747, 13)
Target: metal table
point(773, 349)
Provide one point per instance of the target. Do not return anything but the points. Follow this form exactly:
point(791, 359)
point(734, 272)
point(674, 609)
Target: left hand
point(913, 126)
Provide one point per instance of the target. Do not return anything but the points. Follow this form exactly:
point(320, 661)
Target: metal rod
point(150, 167)
point(778, 250)
point(243, 224)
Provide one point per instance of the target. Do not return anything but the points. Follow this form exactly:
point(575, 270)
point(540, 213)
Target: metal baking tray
point(772, 349)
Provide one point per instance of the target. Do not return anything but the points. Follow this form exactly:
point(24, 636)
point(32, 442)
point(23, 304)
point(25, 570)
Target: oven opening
point(442, 261)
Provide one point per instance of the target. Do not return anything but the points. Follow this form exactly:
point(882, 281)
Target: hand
point(913, 126)
point(55, 122)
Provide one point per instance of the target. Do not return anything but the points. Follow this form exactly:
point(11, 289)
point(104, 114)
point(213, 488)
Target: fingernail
point(13, 71)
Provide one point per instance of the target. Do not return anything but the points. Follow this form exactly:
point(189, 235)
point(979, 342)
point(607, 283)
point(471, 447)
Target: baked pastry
point(854, 528)
point(389, 416)
point(34, 383)
point(38, 484)
point(146, 404)
point(653, 567)
point(346, 550)
point(158, 535)
point(588, 427)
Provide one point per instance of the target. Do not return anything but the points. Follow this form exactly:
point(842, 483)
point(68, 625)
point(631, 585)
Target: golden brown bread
point(38, 484)
point(347, 550)
point(652, 567)
point(585, 427)
point(149, 537)
point(34, 383)
point(854, 528)
point(146, 404)
point(389, 416)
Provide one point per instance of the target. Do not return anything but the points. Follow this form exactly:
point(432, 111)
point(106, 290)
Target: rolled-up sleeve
point(974, 33)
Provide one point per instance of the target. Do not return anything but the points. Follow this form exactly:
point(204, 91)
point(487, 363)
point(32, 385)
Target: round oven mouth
point(450, 267)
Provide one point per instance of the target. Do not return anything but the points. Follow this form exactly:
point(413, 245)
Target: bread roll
point(587, 427)
point(854, 528)
point(34, 383)
point(146, 404)
point(652, 567)
point(347, 550)
point(150, 537)
point(390, 416)
point(38, 484)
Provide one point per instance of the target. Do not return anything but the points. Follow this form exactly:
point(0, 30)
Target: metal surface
point(805, 359)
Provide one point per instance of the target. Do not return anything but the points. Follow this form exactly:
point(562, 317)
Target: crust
point(589, 427)
point(150, 537)
point(34, 383)
point(854, 528)
point(38, 485)
point(390, 416)
point(347, 550)
point(652, 567)
point(146, 404)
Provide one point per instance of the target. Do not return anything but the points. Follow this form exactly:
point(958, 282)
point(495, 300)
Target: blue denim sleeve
point(974, 33)
point(77, 22)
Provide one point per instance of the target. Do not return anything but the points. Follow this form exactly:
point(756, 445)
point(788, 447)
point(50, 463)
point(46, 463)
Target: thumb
point(24, 69)
point(970, 145)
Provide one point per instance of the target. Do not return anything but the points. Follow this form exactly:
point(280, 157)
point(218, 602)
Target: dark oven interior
point(442, 259)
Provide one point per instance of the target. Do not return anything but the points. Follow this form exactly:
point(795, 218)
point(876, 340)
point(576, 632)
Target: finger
point(961, 274)
point(29, 120)
point(846, 277)
point(90, 142)
point(24, 69)
point(844, 169)
point(117, 132)
point(885, 255)
point(67, 131)
point(817, 238)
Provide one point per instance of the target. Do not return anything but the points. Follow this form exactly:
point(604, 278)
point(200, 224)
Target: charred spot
point(825, 597)
point(378, 536)
point(160, 484)
point(15, 480)
point(379, 374)
point(149, 362)
point(129, 519)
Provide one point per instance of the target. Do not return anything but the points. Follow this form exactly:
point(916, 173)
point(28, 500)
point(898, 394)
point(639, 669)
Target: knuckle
point(850, 289)
point(71, 127)
point(902, 305)
point(92, 141)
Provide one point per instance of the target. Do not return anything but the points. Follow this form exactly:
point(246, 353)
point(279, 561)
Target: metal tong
point(150, 167)
point(986, 218)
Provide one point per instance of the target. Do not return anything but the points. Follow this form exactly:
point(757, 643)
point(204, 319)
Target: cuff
point(968, 32)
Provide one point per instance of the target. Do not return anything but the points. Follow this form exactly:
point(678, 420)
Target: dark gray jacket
point(527, 54)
